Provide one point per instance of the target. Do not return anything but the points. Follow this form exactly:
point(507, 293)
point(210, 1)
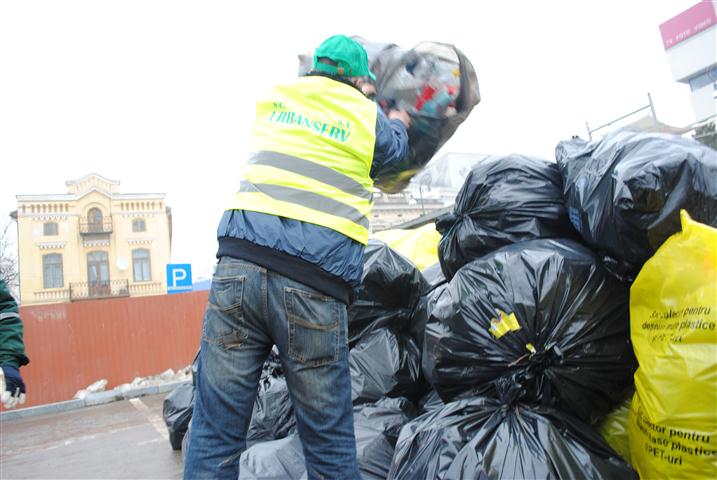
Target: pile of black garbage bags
point(502, 360)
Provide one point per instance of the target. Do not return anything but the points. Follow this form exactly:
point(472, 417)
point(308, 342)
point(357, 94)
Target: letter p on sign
point(179, 277)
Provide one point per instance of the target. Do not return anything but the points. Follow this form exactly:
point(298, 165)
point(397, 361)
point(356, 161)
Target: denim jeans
point(250, 309)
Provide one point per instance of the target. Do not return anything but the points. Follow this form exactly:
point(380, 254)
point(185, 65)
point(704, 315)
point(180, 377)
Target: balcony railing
point(51, 296)
point(147, 288)
point(94, 290)
point(96, 227)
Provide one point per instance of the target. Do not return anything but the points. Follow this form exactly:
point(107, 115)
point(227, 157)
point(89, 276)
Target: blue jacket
point(335, 254)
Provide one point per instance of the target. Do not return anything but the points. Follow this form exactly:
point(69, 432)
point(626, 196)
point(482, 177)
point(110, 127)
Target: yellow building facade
point(92, 242)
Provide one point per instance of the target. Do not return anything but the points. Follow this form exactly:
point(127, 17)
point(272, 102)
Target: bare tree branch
point(8, 256)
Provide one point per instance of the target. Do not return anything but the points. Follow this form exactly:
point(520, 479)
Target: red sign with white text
point(688, 23)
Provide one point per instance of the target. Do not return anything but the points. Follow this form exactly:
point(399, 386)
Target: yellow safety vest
point(313, 143)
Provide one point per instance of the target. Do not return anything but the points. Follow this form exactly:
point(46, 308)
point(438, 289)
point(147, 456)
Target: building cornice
point(70, 197)
point(47, 216)
point(140, 241)
point(104, 242)
point(51, 245)
point(139, 213)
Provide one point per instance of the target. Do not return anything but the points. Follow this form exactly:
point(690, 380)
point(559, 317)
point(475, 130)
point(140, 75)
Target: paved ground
point(125, 439)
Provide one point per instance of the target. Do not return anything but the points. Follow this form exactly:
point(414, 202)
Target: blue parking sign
point(179, 277)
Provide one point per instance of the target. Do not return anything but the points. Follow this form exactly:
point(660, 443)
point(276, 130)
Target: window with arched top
point(141, 268)
point(94, 220)
point(52, 271)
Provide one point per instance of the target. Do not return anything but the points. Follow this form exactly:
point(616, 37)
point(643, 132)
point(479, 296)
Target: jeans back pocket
point(224, 318)
point(313, 327)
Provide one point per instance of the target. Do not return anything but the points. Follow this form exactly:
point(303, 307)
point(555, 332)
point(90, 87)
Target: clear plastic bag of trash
point(434, 82)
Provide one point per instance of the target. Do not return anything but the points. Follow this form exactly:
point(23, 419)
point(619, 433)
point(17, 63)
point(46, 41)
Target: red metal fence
point(72, 345)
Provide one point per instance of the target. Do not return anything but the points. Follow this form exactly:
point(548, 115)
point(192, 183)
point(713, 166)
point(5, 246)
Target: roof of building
point(89, 175)
point(648, 123)
point(448, 171)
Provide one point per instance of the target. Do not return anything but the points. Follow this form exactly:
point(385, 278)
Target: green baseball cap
point(349, 55)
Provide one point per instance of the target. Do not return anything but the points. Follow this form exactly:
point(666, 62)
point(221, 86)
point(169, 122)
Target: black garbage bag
point(272, 364)
point(281, 459)
point(434, 275)
point(376, 427)
point(273, 414)
point(504, 200)
point(177, 411)
point(429, 402)
point(484, 438)
point(624, 192)
point(434, 83)
point(422, 312)
point(385, 364)
point(543, 313)
point(178, 408)
point(390, 288)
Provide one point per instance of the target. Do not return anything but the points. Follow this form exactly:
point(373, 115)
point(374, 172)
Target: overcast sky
point(159, 94)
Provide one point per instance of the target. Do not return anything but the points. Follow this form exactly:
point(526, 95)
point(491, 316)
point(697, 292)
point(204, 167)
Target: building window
point(52, 271)
point(49, 228)
point(94, 220)
point(140, 265)
point(98, 274)
point(138, 225)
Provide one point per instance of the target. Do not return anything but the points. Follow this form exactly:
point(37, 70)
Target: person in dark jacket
point(12, 351)
point(290, 255)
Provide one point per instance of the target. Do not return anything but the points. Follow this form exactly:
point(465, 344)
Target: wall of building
point(690, 40)
point(693, 55)
point(155, 239)
point(33, 245)
point(72, 345)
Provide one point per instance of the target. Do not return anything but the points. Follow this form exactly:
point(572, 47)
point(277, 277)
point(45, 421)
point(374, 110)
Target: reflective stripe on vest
point(314, 145)
point(307, 199)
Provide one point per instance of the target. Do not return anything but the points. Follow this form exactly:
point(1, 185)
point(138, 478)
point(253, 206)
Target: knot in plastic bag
point(542, 359)
point(509, 391)
point(446, 221)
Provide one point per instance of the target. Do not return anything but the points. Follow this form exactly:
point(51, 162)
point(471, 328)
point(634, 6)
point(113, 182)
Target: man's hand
point(401, 115)
point(12, 388)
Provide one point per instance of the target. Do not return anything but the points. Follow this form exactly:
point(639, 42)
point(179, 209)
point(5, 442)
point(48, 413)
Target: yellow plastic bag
point(613, 429)
point(420, 245)
point(673, 320)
